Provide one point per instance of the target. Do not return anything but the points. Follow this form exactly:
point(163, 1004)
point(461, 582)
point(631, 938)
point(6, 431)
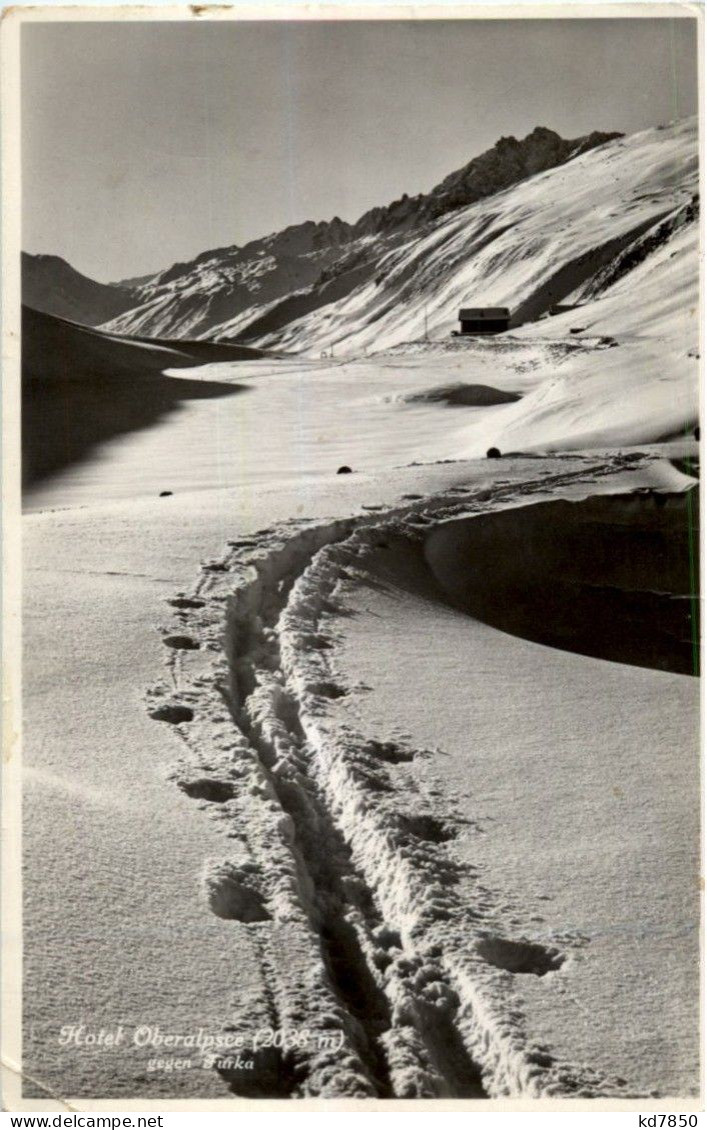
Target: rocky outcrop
point(506, 163)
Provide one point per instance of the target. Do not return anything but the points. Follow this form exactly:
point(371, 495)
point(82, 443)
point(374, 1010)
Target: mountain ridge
point(191, 298)
point(52, 286)
point(530, 247)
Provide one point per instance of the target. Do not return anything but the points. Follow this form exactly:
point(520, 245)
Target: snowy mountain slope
point(644, 246)
point(527, 248)
point(52, 286)
point(504, 164)
point(623, 368)
point(326, 260)
point(645, 386)
point(189, 298)
point(507, 163)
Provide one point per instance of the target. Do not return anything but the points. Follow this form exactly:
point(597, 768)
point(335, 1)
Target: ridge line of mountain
point(298, 256)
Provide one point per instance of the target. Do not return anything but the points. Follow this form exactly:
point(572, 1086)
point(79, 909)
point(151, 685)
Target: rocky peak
point(506, 163)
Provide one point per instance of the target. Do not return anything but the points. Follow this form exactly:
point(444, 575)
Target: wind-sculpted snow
point(571, 572)
point(381, 947)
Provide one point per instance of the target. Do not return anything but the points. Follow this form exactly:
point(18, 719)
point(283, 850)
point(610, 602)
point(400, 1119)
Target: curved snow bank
point(613, 577)
point(383, 950)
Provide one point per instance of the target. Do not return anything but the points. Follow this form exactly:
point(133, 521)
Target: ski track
point(372, 937)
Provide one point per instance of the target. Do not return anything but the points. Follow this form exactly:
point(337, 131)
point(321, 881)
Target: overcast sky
point(147, 143)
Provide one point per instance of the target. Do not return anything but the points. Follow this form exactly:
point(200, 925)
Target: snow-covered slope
point(190, 298)
point(528, 248)
point(233, 286)
point(53, 286)
point(620, 368)
point(82, 387)
point(645, 386)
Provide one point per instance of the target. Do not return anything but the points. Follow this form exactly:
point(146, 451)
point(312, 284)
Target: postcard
point(351, 558)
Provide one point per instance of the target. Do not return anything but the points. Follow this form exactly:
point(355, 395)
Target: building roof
point(468, 312)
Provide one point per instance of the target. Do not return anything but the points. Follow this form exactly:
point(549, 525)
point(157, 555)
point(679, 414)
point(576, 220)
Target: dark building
point(484, 319)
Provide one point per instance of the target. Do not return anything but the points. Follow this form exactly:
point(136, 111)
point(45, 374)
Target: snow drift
point(567, 573)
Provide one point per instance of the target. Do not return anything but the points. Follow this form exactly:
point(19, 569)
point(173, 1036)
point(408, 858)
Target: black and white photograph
point(352, 562)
